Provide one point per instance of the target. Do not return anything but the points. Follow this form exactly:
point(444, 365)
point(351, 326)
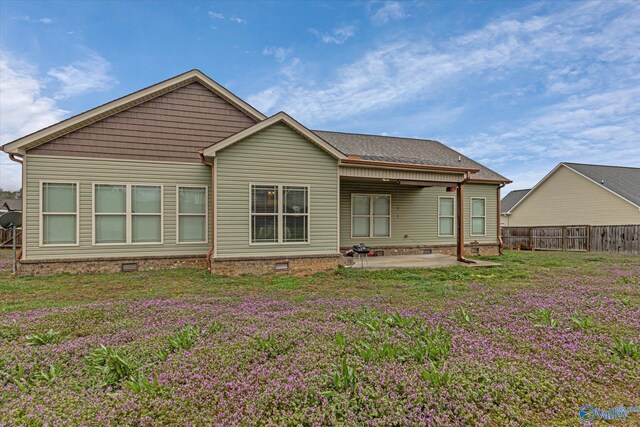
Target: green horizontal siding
point(276, 155)
point(87, 171)
point(414, 212)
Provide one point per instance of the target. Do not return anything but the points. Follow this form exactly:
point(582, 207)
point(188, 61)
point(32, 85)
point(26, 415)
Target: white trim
point(471, 216)
point(280, 117)
point(128, 214)
point(453, 233)
point(371, 216)
point(41, 213)
point(279, 214)
point(126, 102)
point(205, 214)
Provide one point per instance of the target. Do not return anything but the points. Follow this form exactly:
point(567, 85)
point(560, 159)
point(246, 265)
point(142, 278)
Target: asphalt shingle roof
point(12, 204)
point(511, 199)
point(624, 181)
point(404, 150)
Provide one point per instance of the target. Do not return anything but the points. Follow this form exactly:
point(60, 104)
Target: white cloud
point(216, 15)
point(338, 35)
point(238, 20)
point(279, 53)
point(26, 18)
point(80, 77)
point(391, 11)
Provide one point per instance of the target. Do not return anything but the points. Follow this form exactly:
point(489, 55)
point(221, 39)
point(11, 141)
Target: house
point(185, 173)
point(577, 194)
point(10, 205)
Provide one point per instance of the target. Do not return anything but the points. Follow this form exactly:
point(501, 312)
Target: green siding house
point(185, 173)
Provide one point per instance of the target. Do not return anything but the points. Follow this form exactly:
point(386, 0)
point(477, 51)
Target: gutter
point(213, 225)
point(460, 200)
point(360, 162)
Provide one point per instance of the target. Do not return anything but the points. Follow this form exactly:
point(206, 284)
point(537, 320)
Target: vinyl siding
point(567, 198)
point(414, 212)
point(171, 127)
point(88, 171)
point(276, 155)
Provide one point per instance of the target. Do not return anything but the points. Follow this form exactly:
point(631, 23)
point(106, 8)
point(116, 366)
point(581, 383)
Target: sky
point(518, 86)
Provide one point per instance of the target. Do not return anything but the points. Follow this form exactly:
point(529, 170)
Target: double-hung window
point(59, 222)
point(371, 215)
point(127, 214)
point(446, 218)
point(279, 214)
point(478, 216)
point(192, 214)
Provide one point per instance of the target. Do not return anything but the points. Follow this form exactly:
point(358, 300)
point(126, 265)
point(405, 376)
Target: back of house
point(185, 173)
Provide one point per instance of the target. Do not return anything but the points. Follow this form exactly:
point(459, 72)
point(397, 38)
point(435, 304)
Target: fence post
point(531, 248)
point(588, 248)
point(564, 240)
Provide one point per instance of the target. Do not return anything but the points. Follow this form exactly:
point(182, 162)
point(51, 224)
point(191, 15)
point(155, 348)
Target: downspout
point(210, 164)
point(501, 245)
point(21, 161)
point(460, 199)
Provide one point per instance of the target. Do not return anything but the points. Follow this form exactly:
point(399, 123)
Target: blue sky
point(518, 86)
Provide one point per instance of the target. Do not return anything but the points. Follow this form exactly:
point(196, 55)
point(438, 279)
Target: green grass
point(527, 342)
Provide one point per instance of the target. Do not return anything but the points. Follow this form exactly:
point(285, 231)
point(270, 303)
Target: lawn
point(527, 343)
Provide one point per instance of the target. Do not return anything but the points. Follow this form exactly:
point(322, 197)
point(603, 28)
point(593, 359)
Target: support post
point(460, 224)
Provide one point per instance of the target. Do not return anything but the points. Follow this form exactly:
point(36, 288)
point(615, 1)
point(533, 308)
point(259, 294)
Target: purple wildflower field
point(526, 343)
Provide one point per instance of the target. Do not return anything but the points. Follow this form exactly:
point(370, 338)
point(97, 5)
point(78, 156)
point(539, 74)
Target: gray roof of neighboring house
point(624, 181)
point(404, 150)
point(12, 204)
point(511, 199)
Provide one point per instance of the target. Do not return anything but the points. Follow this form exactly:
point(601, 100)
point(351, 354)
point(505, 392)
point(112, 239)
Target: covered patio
point(417, 261)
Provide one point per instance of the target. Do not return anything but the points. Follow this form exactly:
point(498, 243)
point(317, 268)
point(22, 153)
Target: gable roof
point(280, 117)
point(511, 199)
point(622, 181)
point(11, 204)
point(20, 145)
point(406, 150)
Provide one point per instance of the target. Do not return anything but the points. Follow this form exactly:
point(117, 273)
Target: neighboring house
point(186, 173)
point(577, 194)
point(508, 202)
point(10, 205)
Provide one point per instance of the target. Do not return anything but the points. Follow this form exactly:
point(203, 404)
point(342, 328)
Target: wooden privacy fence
point(6, 238)
point(581, 238)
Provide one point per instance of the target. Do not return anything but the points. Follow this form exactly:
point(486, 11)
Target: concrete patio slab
point(418, 261)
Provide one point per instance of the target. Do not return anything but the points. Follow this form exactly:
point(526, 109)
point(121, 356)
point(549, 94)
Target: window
point(279, 214)
point(59, 220)
point(192, 215)
point(446, 218)
point(478, 217)
point(127, 214)
point(370, 215)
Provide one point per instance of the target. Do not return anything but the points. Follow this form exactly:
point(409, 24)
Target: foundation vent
point(129, 267)
point(282, 266)
point(427, 251)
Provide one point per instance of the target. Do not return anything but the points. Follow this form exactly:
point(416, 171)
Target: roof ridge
point(381, 136)
point(600, 166)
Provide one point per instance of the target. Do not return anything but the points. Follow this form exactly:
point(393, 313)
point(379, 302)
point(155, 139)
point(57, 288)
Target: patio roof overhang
point(404, 176)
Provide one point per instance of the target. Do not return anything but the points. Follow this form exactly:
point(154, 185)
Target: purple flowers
point(485, 351)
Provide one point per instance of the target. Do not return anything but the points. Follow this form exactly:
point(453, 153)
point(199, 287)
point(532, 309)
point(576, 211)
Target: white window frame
point(206, 214)
point(280, 214)
point(471, 216)
point(42, 214)
point(371, 216)
point(453, 234)
point(128, 214)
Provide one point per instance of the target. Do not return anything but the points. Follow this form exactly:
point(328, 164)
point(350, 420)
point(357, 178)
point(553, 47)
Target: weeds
point(544, 317)
point(112, 364)
point(184, 339)
point(582, 322)
point(49, 337)
point(624, 347)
